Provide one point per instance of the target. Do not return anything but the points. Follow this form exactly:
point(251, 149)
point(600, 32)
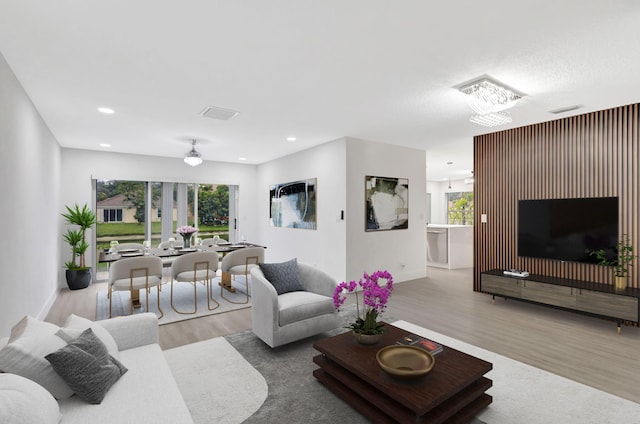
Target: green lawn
point(126, 229)
point(134, 233)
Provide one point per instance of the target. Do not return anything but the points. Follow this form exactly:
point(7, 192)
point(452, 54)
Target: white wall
point(325, 246)
point(402, 252)
point(343, 248)
point(80, 166)
point(29, 188)
point(438, 200)
point(34, 193)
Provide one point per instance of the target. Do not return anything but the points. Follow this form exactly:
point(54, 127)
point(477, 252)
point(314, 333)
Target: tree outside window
point(460, 208)
point(213, 204)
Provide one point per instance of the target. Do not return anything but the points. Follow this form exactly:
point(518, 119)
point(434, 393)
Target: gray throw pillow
point(86, 366)
point(283, 276)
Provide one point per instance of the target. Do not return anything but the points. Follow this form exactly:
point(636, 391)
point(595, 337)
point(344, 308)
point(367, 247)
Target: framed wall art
point(293, 204)
point(386, 203)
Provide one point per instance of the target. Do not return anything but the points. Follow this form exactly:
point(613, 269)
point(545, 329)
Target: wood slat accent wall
point(590, 155)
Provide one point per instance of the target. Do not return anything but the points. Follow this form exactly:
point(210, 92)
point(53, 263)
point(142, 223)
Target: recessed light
point(106, 110)
point(291, 139)
point(242, 158)
point(105, 145)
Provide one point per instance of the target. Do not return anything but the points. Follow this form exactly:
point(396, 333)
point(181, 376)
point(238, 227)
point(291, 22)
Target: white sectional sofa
point(147, 392)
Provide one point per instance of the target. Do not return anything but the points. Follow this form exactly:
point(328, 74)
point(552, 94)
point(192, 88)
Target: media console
point(595, 299)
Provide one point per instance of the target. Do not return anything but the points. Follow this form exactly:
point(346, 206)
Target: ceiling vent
point(219, 113)
point(565, 109)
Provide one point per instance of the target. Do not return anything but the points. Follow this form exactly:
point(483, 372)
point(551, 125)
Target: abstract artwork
point(293, 205)
point(386, 203)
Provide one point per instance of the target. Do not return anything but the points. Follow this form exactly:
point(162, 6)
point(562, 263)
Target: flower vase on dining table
point(186, 231)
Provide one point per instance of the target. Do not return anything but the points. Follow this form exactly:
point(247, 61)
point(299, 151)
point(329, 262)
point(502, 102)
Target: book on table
point(423, 343)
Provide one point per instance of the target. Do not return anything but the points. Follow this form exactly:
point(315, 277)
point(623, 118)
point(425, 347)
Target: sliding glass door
point(135, 211)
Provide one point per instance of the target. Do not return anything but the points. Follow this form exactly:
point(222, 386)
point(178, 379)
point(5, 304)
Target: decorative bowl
point(405, 362)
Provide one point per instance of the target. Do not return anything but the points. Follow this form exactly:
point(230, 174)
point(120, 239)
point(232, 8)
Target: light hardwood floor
point(582, 348)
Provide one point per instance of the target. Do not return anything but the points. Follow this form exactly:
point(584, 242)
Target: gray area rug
point(521, 393)
point(295, 396)
point(182, 299)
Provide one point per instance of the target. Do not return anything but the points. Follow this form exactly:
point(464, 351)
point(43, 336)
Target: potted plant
point(78, 273)
point(621, 263)
point(366, 328)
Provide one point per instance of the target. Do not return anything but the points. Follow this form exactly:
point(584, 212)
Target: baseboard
point(44, 311)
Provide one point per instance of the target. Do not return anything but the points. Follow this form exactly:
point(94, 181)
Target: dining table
point(107, 256)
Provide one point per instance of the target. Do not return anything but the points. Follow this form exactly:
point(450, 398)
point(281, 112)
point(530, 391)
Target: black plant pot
point(78, 278)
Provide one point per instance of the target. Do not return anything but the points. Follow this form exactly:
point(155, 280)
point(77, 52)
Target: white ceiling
point(316, 70)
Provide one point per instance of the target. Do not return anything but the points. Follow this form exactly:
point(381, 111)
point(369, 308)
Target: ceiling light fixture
point(106, 110)
point(491, 119)
point(489, 99)
point(471, 179)
point(193, 157)
point(291, 139)
point(105, 145)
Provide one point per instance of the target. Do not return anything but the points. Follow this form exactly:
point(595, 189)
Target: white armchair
point(281, 319)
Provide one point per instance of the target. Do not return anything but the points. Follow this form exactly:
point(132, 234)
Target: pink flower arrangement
point(186, 230)
point(374, 300)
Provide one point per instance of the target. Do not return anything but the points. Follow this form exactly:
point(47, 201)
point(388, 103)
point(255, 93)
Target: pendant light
point(193, 157)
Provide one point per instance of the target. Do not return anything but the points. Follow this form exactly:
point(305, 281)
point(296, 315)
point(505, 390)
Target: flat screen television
point(565, 229)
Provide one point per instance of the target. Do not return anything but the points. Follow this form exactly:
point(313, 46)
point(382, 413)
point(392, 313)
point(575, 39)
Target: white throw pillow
point(30, 341)
point(79, 323)
point(24, 402)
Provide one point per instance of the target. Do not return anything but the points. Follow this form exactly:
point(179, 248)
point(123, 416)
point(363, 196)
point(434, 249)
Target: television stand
point(595, 299)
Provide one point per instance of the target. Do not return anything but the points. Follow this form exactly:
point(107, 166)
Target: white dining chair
point(193, 268)
point(241, 262)
point(207, 244)
point(166, 260)
point(142, 272)
point(136, 246)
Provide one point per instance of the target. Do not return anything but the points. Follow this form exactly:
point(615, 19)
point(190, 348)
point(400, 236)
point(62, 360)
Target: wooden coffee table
point(453, 392)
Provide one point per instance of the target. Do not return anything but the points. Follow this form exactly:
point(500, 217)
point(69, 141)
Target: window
point(112, 215)
point(124, 207)
point(460, 208)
